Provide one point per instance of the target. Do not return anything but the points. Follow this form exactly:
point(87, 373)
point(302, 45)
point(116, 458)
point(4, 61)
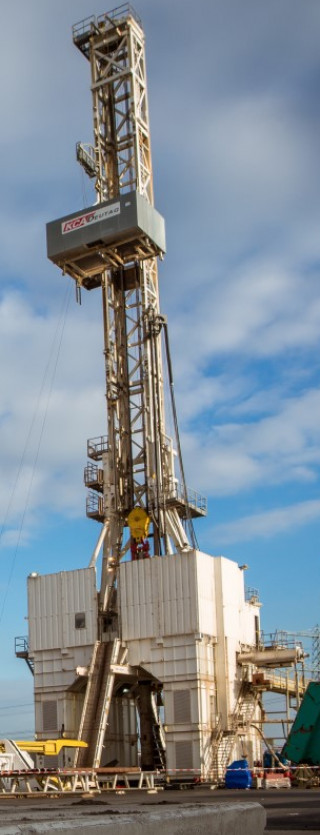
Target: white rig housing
point(183, 619)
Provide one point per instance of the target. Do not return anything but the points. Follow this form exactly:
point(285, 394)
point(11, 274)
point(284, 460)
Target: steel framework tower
point(170, 631)
point(137, 455)
point(114, 245)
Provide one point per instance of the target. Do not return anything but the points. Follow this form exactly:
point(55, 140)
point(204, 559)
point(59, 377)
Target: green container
point(303, 743)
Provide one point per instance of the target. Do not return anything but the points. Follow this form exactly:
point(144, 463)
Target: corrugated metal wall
point(54, 601)
point(171, 595)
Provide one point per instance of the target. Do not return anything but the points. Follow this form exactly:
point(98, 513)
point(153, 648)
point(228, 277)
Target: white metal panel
point(181, 661)
point(170, 595)
point(148, 572)
point(55, 669)
point(168, 584)
point(137, 587)
point(206, 594)
point(248, 623)
point(78, 594)
point(232, 590)
point(155, 597)
point(179, 603)
point(53, 602)
point(44, 612)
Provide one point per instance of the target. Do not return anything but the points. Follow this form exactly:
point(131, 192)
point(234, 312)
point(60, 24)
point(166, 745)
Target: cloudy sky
point(234, 107)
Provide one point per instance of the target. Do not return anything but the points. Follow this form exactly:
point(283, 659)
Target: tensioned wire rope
point(9, 708)
point(54, 347)
point(10, 714)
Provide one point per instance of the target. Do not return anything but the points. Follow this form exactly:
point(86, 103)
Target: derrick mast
point(126, 235)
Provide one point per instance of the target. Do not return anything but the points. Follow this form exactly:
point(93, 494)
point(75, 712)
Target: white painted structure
point(63, 617)
point(183, 619)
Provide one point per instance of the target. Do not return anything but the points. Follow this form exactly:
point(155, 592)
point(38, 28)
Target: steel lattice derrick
point(138, 464)
point(121, 125)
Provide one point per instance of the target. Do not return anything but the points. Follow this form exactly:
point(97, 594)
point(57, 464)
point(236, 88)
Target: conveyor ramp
point(97, 703)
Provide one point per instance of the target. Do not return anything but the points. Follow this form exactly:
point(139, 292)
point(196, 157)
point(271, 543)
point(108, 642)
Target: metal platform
point(83, 30)
point(22, 651)
point(107, 235)
point(190, 504)
point(74, 781)
point(93, 477)
point(96, 447)
point(95, 507)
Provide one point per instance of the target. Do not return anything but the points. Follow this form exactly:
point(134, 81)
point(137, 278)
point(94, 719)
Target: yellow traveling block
point(138, 522)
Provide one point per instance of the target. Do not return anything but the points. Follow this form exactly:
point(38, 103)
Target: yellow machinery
point(139, 523)
point(48, 747)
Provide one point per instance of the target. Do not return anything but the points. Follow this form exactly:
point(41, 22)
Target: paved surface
point(233, 818)
point(293, 810)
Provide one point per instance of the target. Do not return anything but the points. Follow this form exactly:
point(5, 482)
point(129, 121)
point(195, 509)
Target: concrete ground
point(293, 810)
point(122, 815)
point(288, 810)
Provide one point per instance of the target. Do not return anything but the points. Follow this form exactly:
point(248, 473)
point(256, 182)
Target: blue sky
point(234, 108)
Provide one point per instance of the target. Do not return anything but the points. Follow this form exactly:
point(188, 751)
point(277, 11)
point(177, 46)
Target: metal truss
point(138, 465)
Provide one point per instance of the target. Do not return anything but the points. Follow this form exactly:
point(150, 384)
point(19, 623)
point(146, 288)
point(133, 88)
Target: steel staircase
point(22, 651)
point(223, 740)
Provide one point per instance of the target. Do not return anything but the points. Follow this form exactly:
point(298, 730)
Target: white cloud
point(268, 524)
point(259, 312)
point(257, 146)
point(280, 448)
point(51, 401)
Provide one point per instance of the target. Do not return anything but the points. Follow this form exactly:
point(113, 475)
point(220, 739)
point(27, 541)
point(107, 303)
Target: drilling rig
point(142, 666)
point(114, 246)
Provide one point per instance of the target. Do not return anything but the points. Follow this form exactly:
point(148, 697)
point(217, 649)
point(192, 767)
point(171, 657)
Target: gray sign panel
point(108, 234)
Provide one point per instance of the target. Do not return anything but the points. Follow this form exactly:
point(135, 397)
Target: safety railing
point(84, 27)
point(86, 156)
point(251, 594)
point(94, 506)
point(190, 497)
point(21, 645)
point(279, 639)
point(93, 476)
point(97, 446)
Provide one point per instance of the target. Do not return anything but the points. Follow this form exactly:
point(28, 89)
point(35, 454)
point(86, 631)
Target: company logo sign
point(94, 216)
